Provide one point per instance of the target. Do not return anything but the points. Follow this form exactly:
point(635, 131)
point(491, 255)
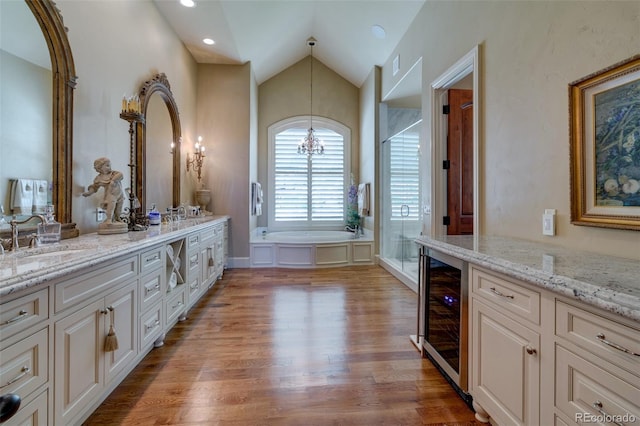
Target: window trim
point(304, 121)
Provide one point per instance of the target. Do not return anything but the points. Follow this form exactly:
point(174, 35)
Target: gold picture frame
point(604, 110)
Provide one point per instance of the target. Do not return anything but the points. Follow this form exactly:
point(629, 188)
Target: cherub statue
point(113, 199)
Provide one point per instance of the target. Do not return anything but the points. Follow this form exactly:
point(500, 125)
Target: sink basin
point(53, 253)
point(46, 251)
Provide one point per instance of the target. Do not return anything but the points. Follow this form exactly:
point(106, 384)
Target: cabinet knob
point(531, 351)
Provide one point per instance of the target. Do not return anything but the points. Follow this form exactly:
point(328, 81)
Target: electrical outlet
point(549, 222)
point(101, 215)
point(548, 261)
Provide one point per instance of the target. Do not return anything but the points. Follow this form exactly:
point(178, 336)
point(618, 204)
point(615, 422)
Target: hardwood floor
point(290, 347)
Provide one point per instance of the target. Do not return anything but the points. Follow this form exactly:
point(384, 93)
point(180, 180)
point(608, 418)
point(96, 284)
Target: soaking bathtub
point(310, 249)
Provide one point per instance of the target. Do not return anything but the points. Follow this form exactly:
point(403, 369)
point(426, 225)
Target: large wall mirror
point(158, 166)
point(37, 79)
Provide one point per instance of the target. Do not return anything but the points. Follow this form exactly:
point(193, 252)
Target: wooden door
point(460, 157)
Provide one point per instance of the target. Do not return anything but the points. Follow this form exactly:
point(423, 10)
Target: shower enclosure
point(400, 160)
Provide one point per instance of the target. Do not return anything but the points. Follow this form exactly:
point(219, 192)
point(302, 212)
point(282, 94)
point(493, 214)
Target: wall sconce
point(198, 158)
point(172, 146)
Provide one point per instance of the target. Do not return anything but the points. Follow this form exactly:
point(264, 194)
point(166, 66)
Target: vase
point(203, 196)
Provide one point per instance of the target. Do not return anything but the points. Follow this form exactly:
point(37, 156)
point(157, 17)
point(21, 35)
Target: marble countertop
point(610, 283)
point(31, 267)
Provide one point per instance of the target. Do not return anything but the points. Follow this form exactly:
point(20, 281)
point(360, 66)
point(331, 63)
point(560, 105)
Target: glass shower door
point(401, 200)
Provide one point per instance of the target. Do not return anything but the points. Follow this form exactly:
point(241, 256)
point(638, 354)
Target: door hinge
point(446, 164)
point(445, 109)
point(446, 220)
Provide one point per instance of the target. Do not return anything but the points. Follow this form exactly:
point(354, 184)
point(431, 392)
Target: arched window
point(307, 191)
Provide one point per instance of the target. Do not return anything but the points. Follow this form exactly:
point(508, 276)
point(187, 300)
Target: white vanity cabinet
point(24, 355)
point(554, 333)
point(597, 366)
point(83, 369)
point(53, 328)
point(505, 370)
point(538, 358)
point(194, 265)
point(151, 290)
point(212, 254)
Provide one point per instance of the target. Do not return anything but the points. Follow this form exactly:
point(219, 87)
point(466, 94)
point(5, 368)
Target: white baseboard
point(239, 262)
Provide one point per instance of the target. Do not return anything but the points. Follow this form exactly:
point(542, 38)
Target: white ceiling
point(273, 34)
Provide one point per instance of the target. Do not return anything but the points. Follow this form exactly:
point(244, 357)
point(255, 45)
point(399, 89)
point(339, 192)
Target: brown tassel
point(111, 341)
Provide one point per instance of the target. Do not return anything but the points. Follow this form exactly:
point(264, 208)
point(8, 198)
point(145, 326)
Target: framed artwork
point(604, 110)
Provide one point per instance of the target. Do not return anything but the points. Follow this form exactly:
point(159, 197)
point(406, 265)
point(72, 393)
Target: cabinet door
point(123, 303)
point(79, 368)
point(505, 367)
point(208, 264)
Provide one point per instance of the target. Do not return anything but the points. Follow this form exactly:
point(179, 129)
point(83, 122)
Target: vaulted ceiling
point(273, 34)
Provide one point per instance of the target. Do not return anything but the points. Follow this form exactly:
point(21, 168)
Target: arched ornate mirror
point(56, 142)
point(157, 164)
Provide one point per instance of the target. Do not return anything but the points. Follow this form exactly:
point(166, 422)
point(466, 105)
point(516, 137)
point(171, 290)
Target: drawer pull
point(152, 288)
point(498, 293)
point(531, 351)
point(177, 305)
point(195, 286)
point(598, 406)
point(153, 259)
point(21, 315)
point(23, 372)
point(602, 339)
point(151, 326)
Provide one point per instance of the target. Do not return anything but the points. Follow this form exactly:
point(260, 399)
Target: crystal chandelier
point(311, 144)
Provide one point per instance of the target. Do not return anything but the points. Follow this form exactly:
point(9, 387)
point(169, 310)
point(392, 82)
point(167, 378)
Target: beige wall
point(287, 95)
point(369, 118)
point(224, 121)
point(117, 46)
point(531, 51)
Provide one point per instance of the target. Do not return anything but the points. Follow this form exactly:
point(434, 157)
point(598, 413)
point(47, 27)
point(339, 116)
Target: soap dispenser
point(154, 216)
point(49, 231)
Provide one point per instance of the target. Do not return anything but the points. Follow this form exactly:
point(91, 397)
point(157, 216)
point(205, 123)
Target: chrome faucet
point(14, 229)
point(180, 213)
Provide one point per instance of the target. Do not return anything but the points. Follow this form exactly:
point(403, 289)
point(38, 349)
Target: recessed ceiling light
point(208, 41)
point(378, 31)
point(187, 3)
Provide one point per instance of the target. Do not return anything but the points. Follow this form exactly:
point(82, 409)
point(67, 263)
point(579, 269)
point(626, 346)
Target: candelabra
point(198, 158)
point(132, 112)
point(203, 195)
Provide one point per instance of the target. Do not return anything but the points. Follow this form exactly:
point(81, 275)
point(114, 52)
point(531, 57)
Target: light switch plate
point(549, 222)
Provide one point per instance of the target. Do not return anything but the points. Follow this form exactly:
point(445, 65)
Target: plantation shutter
point(309, 189)
point(404, 175)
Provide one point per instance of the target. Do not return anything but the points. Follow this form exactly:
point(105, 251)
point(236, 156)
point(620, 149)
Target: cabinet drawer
point(85, 285)
point(150, 290)
point(507, 294)
point(23, 312)
point(193, 264)
point(150, 326)
point(175, 306)
point(151, 260)
point(585, 389)
point(194, 289)
point(34, 413)
point(192, 241)
point(24, 364)
point(601, 336)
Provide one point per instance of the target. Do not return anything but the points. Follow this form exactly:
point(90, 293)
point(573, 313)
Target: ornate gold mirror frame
point(160, 85)
point(64, 82)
